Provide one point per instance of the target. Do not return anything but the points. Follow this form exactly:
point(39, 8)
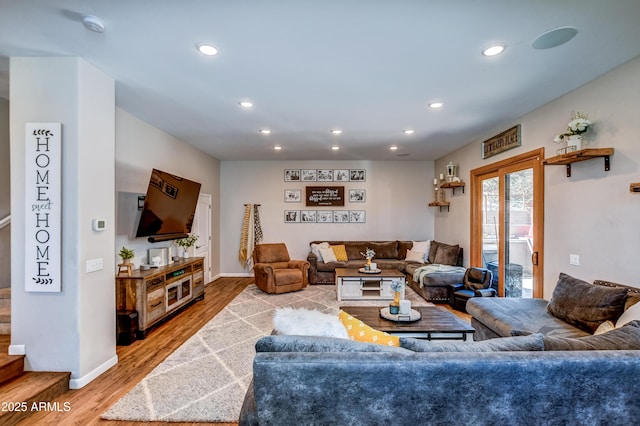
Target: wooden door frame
point(535, 157)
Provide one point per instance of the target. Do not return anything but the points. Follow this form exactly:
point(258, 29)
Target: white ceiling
point(366, 67)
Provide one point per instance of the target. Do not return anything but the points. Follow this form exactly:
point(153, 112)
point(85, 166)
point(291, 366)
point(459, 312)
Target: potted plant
point(185, 243)
point(578, 125)
point(126, 255)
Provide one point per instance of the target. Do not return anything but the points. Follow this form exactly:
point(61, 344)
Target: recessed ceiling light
point(336, 131)
point(335, 148)
point(393, 147)
point(207, 49)
point(246, 104)
point(277, 148)
point(554, 37)
point(494, 50)
point(265, 131)
point(408, 131)
point(436, 105)
point(93, 23)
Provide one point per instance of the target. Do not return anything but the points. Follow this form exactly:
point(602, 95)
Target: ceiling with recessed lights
point(369, 69)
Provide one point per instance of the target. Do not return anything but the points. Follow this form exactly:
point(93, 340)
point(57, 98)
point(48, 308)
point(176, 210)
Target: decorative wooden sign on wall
point(43, 207)
point(317, 196)
point(501, 142)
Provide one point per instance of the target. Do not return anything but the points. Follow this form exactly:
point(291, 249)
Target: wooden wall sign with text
point(502, 142)
point(43, 207)
point(324, 196)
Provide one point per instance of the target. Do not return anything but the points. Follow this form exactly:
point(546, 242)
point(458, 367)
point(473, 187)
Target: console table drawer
point(155, 304)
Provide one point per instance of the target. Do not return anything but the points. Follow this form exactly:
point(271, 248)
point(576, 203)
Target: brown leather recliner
point(274, 270)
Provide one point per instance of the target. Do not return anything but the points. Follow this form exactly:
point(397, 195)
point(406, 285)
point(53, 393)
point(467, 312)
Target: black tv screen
point(169, 206)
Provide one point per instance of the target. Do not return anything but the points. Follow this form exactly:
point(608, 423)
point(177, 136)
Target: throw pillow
point(433, 248)
point(532, 342)
point(307, 322)
point(633, 313)
point(340, 252)
point(604, 327)
point(315, 249)
point(415, 256)
point(361, 332)
point(585, 305)
point(328, 255)
point(626, 337)
point(422, 246)
point(446, 255)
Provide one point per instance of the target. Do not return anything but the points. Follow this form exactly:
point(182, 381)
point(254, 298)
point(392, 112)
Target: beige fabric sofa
point(392, 254)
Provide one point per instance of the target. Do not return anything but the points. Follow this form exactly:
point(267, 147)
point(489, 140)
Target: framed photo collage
point(324, 197)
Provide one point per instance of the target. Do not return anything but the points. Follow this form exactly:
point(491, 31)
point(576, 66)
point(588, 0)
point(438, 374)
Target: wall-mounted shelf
point(453, 186)
point(582, 155)
point(439, 204)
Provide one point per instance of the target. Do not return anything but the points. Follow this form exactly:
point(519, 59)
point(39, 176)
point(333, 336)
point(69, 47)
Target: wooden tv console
point(159, 292)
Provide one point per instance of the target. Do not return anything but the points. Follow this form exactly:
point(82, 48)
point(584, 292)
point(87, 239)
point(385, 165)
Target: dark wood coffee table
point(436, 323)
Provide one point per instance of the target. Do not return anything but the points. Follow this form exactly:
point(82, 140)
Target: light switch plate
point(574, 259)
point(95, 265)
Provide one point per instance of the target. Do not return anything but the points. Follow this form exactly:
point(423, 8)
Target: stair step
point(5, 328)
point(5, 293)
point(11, 366)
point(31, 388)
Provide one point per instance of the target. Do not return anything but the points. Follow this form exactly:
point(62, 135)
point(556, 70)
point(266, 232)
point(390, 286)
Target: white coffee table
point(354, 285)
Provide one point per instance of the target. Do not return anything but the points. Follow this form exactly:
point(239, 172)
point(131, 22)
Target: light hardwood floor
point(138, 359)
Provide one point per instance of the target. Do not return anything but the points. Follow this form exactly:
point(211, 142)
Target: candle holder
point(451, 171)
point(442, 196)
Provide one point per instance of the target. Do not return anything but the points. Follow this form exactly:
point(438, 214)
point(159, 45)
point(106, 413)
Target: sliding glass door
point(506, 223)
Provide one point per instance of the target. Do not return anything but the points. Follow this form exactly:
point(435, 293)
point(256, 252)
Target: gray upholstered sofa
point(432, 285)
point(329, 381)
point(566, 315)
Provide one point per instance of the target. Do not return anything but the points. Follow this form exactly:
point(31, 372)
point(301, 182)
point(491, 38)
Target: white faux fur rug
point(206, 378)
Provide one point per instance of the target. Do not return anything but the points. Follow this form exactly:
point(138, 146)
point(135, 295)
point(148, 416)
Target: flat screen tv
point(169, 207)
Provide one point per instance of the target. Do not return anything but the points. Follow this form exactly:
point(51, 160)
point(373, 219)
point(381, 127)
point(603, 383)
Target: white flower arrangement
point(368, 254)
point(187, 242)
point(578, 125)
point(397, 285)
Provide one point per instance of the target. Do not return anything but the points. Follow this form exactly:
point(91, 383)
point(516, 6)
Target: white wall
point(5, 204)
point(72, 330)
point(141, 147)
point(592, 213)
point(397, 194)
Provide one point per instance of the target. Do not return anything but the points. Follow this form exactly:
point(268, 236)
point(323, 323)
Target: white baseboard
point(236, 274)
point(77, 383)
point(17, 350)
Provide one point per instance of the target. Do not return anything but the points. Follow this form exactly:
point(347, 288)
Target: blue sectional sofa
point(548, 371)
point(327, 381)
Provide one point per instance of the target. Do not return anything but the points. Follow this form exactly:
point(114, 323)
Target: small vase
point(185, 254)
point(126, 261)
point(394, 307)
point(574, 143)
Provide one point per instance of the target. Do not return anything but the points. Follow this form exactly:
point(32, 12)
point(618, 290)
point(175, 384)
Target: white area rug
point(206, 378)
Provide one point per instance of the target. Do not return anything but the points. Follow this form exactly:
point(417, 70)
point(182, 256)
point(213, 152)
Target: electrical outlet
point(94, 265)
point(574, 259)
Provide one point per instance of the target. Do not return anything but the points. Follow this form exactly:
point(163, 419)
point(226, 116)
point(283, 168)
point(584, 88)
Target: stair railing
point(4, 222)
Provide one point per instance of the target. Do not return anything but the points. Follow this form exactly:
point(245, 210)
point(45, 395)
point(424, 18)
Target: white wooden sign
point(43, 207)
